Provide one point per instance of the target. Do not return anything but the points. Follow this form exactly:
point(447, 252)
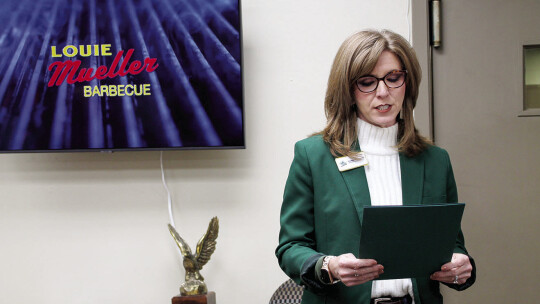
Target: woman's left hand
point(456, 271)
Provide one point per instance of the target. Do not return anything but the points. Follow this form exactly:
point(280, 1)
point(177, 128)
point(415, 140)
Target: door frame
point(423, 113)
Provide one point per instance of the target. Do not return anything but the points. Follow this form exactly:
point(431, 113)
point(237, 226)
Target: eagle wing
point(207, 244)
point(184, 247)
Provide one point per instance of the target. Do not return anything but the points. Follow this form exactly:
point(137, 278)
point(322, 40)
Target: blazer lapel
point(356, 182)
point(357, 185)
point(412, 179)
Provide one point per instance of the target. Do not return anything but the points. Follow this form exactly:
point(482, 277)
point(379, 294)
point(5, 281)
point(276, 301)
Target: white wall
point(91, 227)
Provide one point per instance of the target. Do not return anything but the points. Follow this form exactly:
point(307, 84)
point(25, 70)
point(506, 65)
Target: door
point(495, 152)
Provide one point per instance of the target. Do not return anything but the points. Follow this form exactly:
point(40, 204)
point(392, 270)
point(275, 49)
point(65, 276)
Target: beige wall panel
point(495, 154)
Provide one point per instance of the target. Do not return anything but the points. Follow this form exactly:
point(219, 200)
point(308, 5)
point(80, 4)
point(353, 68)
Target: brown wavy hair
point(357, 57)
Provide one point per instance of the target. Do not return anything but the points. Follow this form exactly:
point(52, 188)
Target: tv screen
point(120, 74)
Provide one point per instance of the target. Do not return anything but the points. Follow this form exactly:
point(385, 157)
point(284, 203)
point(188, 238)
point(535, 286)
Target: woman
point(371, 94)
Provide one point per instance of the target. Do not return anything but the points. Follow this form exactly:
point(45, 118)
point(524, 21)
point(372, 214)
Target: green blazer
point(322, 213)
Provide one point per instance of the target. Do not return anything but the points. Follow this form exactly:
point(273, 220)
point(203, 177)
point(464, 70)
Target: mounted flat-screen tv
point(79, 75)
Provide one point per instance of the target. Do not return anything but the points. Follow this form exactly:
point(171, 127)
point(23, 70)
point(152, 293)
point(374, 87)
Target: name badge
point(346, 163)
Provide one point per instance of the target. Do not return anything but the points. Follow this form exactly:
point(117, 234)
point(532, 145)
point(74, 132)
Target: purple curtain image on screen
point(120, 74)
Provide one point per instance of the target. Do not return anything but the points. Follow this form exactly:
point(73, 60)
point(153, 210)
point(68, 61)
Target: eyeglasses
point(394, 79)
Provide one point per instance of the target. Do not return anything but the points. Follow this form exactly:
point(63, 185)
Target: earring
point(401, 115)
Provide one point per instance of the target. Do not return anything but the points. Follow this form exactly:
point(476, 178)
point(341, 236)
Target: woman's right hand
point(352, 271)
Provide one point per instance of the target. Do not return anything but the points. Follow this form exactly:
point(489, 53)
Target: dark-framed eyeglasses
point(393, 79)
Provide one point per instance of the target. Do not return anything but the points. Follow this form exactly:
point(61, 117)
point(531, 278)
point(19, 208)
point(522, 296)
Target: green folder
point(410, 241)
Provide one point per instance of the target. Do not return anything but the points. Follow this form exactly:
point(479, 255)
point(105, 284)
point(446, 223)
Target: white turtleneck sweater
point(384, 182)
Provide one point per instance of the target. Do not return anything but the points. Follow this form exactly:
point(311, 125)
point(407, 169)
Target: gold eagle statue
point(193, 263)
